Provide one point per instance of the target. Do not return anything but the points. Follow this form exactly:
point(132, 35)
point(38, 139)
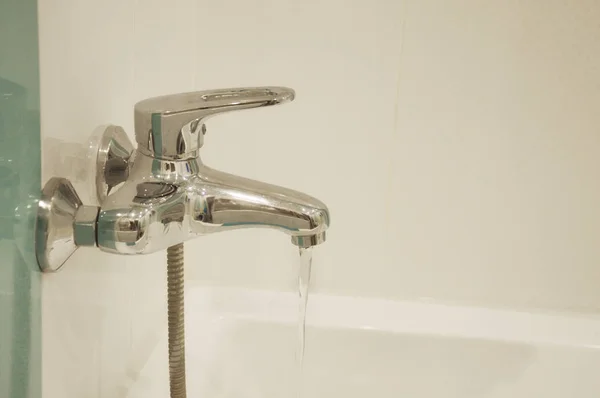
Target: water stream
point(303, 283)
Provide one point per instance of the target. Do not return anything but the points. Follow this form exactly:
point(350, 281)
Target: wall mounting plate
point(112, 160)
point(55, 240)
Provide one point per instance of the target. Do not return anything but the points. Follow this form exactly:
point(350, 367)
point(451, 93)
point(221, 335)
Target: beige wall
point(456, 143)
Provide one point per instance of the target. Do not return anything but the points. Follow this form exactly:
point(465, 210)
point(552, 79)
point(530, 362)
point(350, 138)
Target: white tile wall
point(496, 154)
point(455, 142)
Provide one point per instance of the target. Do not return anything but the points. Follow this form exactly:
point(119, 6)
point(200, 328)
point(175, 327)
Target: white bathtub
point(242, 344)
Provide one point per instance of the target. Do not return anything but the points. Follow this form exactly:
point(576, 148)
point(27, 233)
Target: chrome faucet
point(161, 193)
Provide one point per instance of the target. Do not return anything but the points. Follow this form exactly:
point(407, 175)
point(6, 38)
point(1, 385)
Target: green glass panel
point(20, 327)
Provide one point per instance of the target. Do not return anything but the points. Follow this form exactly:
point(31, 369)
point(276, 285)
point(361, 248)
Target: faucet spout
point(228, 202)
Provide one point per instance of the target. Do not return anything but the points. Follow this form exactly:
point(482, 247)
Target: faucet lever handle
point(172, 126)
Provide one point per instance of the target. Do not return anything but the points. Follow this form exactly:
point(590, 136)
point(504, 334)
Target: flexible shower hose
point(175, 293)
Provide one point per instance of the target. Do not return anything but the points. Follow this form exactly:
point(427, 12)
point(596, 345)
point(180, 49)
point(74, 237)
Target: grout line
point(394, 134)
point(133, 52)
point(195, 44)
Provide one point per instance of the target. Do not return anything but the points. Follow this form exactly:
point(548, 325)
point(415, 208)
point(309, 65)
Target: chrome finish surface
point(55, 235)
point(114, 151)
point(165, 194)
point(172, 126)
point(85, 225)
point(306, 241)
point(153, 211)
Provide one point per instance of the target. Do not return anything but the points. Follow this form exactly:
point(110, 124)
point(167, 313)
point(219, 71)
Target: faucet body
point(165, 202)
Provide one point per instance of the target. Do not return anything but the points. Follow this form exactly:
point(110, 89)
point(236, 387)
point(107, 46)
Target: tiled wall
point(455, 142)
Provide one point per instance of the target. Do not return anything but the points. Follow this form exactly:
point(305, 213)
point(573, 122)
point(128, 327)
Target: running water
point(303, 282)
